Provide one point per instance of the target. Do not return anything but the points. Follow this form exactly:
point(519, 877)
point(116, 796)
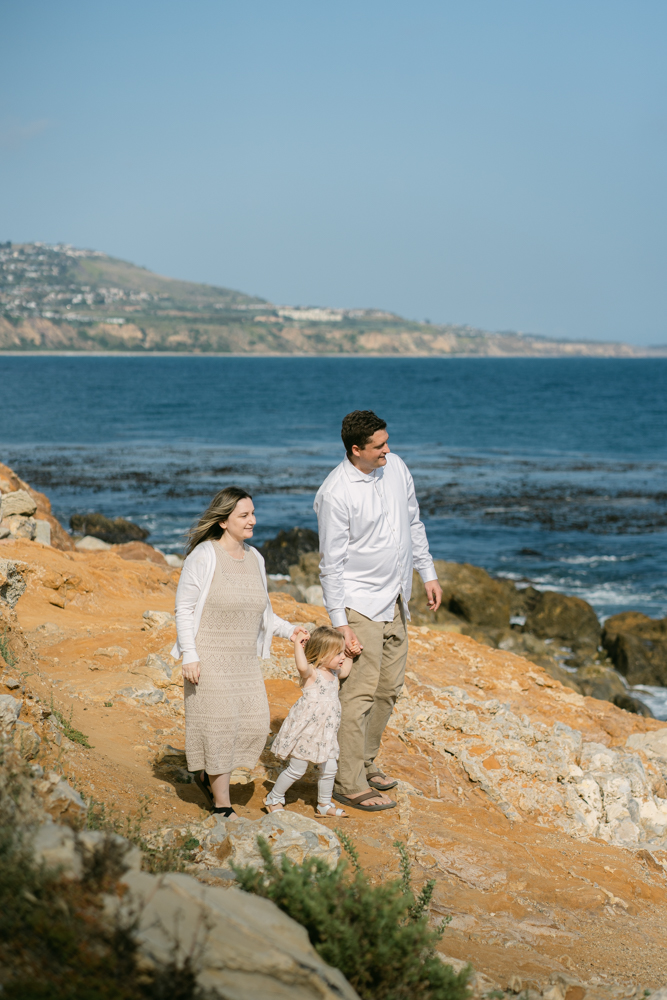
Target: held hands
point(191, 672)
point(433, 594)
point(300, 636)
point(352, 645)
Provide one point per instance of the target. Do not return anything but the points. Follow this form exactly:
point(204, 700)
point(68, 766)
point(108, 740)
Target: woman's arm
point(284, 629)
point(345, 669)
point(305, 669)
point(187, 595)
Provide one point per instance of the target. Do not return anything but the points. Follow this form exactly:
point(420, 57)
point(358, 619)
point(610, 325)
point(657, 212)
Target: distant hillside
point(58, 298)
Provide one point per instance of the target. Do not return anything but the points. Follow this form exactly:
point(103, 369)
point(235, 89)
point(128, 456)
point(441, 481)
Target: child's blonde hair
point(324, 642)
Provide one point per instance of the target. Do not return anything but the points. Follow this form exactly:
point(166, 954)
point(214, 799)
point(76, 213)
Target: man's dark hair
point(359, 427)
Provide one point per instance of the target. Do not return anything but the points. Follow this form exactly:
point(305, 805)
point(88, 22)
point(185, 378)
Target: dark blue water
point(553, 471)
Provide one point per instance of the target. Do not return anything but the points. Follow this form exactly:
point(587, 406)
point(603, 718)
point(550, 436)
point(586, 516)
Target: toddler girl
point(309, 733)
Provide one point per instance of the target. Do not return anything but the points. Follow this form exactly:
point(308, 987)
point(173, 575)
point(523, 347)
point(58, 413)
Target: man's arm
point(334, 529)
point(421, 556)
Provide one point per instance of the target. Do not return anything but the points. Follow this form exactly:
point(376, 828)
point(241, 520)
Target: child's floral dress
point(310, 731)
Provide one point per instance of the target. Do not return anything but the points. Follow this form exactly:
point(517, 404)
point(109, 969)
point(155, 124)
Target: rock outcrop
point(539, 811)
point(237, 945)
point(287, 547)
point(115, 532)
point(244, 946)
point(568, 619)
point(223, 843)
point(557, 632)
point(10, 484)
point(637, 646)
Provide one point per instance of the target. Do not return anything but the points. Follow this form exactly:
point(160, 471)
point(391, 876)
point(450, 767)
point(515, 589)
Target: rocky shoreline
point(540, 813)
point(559, 633)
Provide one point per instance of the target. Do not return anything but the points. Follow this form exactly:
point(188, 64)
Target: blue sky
point(493, 162)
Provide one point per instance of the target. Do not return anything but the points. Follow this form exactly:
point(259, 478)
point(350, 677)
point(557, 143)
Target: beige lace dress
point(310, 731)
point(227, 713)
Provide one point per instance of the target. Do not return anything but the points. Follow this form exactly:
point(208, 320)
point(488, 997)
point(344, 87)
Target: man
point(370, 537)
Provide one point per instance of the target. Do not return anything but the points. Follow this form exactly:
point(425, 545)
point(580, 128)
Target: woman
point(224, 621)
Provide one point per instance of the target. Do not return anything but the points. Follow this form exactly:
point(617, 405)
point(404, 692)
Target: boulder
point(557, 616)
point(91, 544)
point(468, 593)
point(10, 482)
point(306, 573)
point(600, 682)
point(631, 704)
point(242, 946)
point(116, 531)
point(20, 526)
point(287, 547)
point(17, 502)
point(226, 842)
point(12, 581)
point(42, 531)
point(64, 803)
point(157, 619)
point(637, 646)
point(61, 847)
point(10, 709)
point(284, 587)
point(26, 740)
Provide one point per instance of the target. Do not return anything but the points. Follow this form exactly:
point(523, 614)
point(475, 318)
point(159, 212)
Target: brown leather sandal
point(371, 779)
point(358, 802)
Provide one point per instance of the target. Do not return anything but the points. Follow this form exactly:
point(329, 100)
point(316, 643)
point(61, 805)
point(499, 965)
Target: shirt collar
point(355, 475)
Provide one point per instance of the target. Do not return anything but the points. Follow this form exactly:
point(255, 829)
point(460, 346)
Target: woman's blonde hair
point(324, 642)
point(219, 509)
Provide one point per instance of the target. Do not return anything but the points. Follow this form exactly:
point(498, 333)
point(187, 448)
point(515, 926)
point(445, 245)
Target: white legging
point(295, 770)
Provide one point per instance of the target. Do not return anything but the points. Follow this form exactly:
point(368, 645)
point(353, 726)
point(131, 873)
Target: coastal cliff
point(59, 298)
point(541, 813)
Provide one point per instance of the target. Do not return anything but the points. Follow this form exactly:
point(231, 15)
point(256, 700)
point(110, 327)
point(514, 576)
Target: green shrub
point(377, 935)
point(75, 735)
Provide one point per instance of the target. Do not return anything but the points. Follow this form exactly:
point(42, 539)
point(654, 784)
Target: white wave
point(594, 560)
point(653, 696)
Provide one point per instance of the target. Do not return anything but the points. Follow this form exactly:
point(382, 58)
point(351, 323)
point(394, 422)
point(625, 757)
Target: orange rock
point(139, 550)
point(527, 901)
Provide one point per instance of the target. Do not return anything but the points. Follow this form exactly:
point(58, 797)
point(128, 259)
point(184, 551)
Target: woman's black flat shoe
point(225, 811)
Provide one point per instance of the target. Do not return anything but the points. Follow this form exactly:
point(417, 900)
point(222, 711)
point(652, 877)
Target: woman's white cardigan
point(193, 587)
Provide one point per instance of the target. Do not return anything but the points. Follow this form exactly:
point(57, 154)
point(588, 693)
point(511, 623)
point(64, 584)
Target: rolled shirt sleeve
point(334, 529)
point(421, 557)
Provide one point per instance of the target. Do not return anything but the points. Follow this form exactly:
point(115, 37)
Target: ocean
point(552, 471)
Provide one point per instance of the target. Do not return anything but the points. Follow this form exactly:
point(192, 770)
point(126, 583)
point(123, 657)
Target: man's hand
point(352, 645)
point(433, 594)
point(191, 672)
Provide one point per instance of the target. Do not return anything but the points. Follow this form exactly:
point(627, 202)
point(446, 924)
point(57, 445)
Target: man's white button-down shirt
point(370, 537)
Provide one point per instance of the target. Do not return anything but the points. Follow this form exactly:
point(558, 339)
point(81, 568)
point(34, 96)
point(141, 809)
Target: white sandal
point(273, 807)
point(326, 810)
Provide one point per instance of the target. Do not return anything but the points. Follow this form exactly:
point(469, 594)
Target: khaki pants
point(368, 695)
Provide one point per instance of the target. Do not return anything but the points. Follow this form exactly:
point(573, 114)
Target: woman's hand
point(300, 635)
point(191, 672)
